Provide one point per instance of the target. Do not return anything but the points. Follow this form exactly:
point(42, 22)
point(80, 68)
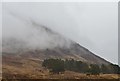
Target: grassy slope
point(32, 69)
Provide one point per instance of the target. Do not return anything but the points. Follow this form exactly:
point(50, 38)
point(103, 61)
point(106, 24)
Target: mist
point(25, 33)
point(92, 25)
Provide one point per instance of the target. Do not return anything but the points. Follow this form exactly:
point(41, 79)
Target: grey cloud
point(93, 25)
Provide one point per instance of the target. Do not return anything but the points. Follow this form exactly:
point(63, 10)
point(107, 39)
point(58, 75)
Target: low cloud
point(25, 33)
point(92, 25)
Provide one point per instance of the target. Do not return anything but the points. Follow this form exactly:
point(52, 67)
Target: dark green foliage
point(82, 67)
point(58, 65)
point(94, 69)
point(105, 69)
point(77, 66)
point(115, 68)
point(110, 69)
point(70, 64)
point(55, 65)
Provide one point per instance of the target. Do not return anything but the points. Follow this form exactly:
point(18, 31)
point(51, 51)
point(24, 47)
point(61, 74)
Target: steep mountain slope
point(55, 46)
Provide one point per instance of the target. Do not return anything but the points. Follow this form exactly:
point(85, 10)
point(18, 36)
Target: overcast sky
point(92, 25)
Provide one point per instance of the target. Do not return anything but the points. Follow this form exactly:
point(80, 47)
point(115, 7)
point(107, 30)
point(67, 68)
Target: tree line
point(59, 65)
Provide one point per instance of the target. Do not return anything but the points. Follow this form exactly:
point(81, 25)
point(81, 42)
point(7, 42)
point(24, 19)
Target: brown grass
point(32, 69)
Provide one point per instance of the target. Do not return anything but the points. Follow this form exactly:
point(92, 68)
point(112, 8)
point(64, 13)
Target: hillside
point(57, 46)
point(22, 58)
